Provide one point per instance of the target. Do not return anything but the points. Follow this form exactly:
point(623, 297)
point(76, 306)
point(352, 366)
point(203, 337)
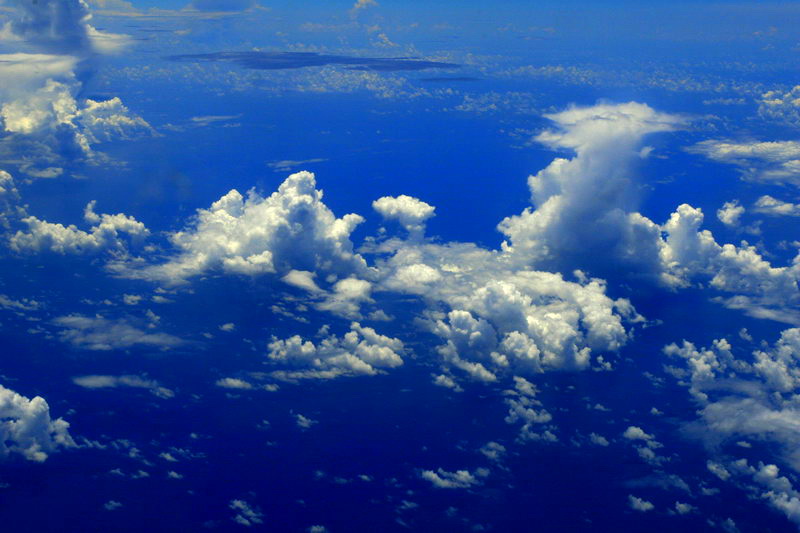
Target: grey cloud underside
point(294, 60)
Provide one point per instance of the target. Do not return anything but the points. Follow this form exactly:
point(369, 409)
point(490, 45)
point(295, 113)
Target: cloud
point(303, 422)
point(636, 433)
point(233, 383)
point(23, 305)
point(105, 234)
point(99, 333)
point(781, 106)
point(638, 504)
point(730, 212)
point(361, 351)
point(296, 60)
point(768, 205)
point(769, 162)
point(363, 4)
point(741, 397)
point(27, 429)
point(41, 116)
point(410, 212)
point(287, 165)
point(246, 514)
point(138, 382)
point(584, 206)
point(62, 27)
point(290, 230)
point(460, 479)
point(500, 320)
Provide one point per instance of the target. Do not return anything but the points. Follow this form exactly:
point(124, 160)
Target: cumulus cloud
point(361, 351)
point(410, 212)
point(584, 206)
point(26, 427)
point(730, 213)
point(41, 115)
point(292, 229)
point(99, 333)
point(105, 234)
point(584, 215)
point(500, 319)
point(111, 382)
point(741, 397)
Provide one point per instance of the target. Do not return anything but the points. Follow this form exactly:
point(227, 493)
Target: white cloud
point(303, 422)
point(23, 305)
point(638, 504)
point(112, 505)
point(772, 206)
point(781, 106)
point(104, 381)
point(410, 212)
point(361, 351)
point(233, 383)
point(246, 514)
point(730, 213)
point(460, 479)
point(636, 433)
point(770, 162)
point(106, 233)
point(740, 397)
point(26, 427)
point(99, 333)
point(290, 230)
point(584, 205)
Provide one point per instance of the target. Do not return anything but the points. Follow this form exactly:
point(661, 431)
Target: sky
point(399, 266)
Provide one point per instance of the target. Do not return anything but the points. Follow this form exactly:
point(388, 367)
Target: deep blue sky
point(544, 273)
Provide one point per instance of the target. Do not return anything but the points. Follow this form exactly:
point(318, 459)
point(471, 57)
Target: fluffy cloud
point(584, 217)
point(499, 319)
point(40, 113)
point(742, 397)
point(106, 233)
point(584, 205)
point(730, 213)
point(99, 333)
point(26, 427)
point(361, 351)
point(137, 382)
point(772, 206)
point(290, 230)
point(410, 212)
point(771, 162)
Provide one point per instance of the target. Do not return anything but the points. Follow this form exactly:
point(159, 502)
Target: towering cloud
point(26, 427)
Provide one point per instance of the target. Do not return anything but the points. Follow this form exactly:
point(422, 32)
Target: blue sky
point(390, 266)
